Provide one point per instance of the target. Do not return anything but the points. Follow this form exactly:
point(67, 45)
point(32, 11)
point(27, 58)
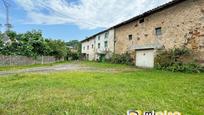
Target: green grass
point(102, 93)
point(8, 68)
point(104, 64)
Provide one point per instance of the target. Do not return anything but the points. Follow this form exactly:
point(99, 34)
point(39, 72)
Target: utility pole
point(6, 5)
point(8, 26)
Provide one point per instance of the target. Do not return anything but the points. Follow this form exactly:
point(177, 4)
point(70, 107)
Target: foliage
point(72, 55)
point(75, 44)
point(33, 44)
point(177, 60)
point(122, 59)
point(58, 48)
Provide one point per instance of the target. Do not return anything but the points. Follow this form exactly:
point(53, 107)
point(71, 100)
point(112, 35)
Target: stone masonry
point(179, 25)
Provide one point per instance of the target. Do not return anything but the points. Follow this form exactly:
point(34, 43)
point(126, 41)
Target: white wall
point(93, 52)
point(90, 50)
point(109, 39)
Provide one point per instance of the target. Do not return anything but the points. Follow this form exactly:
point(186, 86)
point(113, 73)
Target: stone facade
point(176, 26)
point(101, 44)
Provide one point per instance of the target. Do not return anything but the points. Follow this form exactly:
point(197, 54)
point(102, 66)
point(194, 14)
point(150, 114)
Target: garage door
point(145, 58)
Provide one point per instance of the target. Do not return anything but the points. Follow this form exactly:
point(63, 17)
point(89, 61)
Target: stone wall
point(23, 60)
point(181, 25)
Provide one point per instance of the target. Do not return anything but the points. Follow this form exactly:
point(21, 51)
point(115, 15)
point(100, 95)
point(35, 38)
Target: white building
point(99, 46)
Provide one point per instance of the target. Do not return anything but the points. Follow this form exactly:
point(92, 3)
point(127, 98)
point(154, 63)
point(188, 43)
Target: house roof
point(145, 14)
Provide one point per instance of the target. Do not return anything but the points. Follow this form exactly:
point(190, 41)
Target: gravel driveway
point(61, 67)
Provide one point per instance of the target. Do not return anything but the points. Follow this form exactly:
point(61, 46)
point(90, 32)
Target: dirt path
point(61, 67)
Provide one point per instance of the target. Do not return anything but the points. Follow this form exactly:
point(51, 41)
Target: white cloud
point(88, 14)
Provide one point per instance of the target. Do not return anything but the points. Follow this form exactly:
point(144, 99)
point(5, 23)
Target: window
point(92, 46)
point(99, 45)
point(84, 48)
point(141, 20)
point(106, 35)
point(99, 37)
point(87, 47)
point(158, 31)
point(130, 37)
point(106, 44)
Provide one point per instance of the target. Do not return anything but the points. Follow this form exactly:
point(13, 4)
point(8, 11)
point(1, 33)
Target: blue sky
point(72, 19)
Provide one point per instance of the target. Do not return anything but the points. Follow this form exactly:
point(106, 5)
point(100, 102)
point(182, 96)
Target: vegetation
point(121, 59)
point(101, 93)
point(74, 52)
point(32, 44)
point(75, 44)
point(177, 60)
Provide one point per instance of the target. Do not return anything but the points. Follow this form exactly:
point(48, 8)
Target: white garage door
point(145, 58)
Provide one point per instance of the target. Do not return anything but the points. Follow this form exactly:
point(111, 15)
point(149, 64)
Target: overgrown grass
point(88, 93)
point(7, 68)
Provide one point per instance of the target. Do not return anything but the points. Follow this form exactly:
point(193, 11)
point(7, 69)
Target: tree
point(76, 45)
point(32, 44)
point(58, 48)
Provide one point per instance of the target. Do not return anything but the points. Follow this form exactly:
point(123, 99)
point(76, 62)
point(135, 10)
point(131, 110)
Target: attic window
point(99, 37)
point(106, 35)
point(141, 20)
point(130, 37)
point(158, 31)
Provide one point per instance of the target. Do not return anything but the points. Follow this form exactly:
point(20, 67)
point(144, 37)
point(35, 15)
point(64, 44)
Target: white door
point(145, 58)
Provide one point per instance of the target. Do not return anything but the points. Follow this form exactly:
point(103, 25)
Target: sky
point(72, 19)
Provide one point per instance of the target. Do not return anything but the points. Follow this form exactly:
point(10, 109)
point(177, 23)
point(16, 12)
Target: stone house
point(175, 24)
point(99, 46)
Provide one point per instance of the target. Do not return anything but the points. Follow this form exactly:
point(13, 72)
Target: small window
point(141, 20)
point(87, 47)
point(106, 35)
point(130, 37)
point(99, 37)
point(106, 44)
point(92, 46)
point(158, 31)
point(84, 48)
point(99, 45)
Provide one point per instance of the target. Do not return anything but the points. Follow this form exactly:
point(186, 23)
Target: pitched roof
point(145, 14)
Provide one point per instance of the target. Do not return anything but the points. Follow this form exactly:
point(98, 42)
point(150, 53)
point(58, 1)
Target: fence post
point(42, 60)
point(10, 59)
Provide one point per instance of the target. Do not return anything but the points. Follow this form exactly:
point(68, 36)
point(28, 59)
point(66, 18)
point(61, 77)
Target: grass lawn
point(8, 68)
point(101, 93)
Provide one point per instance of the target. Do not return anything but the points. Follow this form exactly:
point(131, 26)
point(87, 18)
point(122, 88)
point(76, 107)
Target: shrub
point(72, 56)
point(122, 59)
point(177, 60)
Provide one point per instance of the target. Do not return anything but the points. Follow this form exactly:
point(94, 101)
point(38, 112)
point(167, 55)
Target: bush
point(72, 56)
point(177, 60)
point(122, 59)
